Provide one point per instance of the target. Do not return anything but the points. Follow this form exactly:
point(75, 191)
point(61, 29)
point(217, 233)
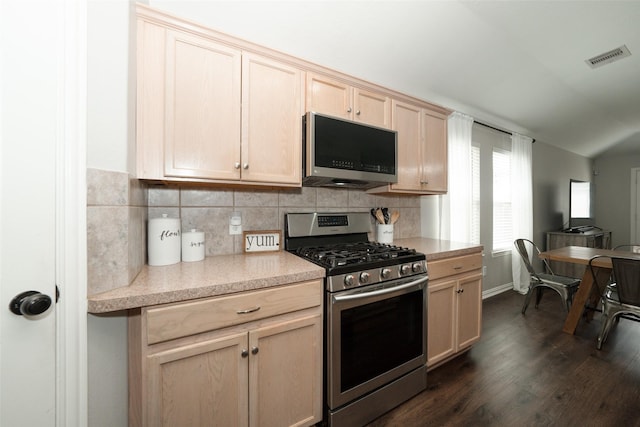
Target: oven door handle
point(380, 291)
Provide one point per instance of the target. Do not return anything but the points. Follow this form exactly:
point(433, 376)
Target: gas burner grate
point(353, 254)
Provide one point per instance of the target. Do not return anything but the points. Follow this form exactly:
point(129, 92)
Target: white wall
point(613, 194)
point(430, 216)
point(110, 103)
point(110, 128)
point(553, 168)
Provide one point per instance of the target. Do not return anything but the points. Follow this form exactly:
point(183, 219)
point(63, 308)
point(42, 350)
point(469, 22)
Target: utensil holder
point(384, 233)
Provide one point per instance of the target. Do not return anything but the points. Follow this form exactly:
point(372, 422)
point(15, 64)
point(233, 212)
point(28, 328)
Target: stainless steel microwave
point(343, 153)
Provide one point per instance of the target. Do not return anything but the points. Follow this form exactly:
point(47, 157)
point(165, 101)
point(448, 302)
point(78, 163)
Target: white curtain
point(521, 204)
point(456, 204)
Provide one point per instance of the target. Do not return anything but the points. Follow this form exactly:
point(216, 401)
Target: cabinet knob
point(358, 112)
point(348, 109)
point(236, 165)
point(254, 350)
point(245, 166)
point(245, 353)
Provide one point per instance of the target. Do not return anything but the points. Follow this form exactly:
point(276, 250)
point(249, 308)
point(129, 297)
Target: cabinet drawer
point(456, 265)
point(183, 319)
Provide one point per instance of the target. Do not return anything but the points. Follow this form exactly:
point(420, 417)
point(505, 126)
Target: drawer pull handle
point(248, 310)
point(458, 267)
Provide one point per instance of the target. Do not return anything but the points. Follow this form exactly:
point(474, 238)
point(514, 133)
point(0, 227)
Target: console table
point(594, 238)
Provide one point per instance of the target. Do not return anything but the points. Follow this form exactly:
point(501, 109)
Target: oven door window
point(380, 336)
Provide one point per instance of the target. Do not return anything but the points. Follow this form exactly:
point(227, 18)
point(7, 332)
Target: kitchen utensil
point(385, 213)
point(379, 216)
point(394, 217)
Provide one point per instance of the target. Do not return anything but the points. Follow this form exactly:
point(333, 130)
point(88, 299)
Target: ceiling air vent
point(608, 57)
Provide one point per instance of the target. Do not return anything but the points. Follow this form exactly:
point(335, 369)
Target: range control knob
point(349, 280)
point(405, 269)
point(364, 277)
point(385, 273)
point(416, 267)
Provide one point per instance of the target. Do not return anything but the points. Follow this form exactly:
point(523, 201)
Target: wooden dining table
point(586, 291)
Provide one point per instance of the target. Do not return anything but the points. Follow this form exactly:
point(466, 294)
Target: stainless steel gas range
point(375, 314)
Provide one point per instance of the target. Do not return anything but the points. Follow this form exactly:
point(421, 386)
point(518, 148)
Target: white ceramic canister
point(193, 245)
point(163, 241)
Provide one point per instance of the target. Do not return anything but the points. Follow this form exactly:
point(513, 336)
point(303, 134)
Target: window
point(502, 221)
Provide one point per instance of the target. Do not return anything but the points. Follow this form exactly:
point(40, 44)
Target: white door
point(36, 137)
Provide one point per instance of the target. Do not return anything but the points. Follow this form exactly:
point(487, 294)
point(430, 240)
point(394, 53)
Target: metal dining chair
point(622, 298)
point(628, 247)
point(565, 286)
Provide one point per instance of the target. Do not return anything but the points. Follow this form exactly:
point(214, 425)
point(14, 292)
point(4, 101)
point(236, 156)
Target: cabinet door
point(441, 326)
point(434, 156)
point(150, 100)
point(271, 121)
point(199, 384)
point(372, 108)
point(469, 310)
point(328, 96)
point(285, 380)
point(202, 108)
point(407, 120)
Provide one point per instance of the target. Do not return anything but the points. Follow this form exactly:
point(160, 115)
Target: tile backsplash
point(118, 207)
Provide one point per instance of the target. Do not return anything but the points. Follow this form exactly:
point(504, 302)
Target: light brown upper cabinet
point(215, 109)
point(330, 96)
point(434, 155)
point(407, 120)
point(272, 101)
point(202, 109)
point(209, 112)
point(422, 150)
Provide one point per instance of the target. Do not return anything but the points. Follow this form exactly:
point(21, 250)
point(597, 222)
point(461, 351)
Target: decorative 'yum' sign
point(262, 241)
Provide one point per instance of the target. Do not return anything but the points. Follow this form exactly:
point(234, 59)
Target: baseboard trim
point(497, 290)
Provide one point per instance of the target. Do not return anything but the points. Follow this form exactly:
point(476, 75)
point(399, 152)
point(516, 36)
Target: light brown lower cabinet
point(255, 361)
point(454, 307)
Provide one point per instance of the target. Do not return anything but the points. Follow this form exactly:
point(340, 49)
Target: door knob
point(30, 303)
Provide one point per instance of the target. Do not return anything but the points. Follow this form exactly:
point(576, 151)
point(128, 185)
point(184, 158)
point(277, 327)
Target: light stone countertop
point(437, 249)
point(214, 276)
point(226, 274)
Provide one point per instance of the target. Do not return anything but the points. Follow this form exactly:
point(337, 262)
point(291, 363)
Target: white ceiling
point(516, 65)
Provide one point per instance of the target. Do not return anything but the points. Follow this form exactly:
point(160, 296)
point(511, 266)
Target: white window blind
point(502, 226)
point(475, 194)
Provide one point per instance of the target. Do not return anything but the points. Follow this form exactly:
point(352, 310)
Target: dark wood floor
point(526, 372)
